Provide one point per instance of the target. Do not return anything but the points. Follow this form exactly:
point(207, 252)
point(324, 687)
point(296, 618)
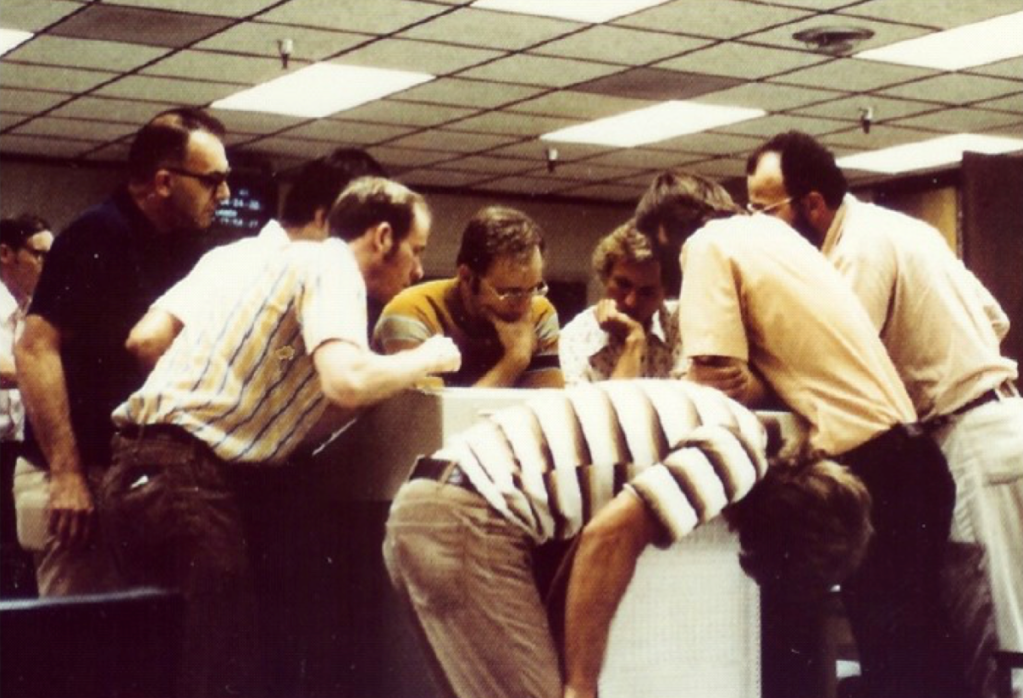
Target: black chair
point(123, 645)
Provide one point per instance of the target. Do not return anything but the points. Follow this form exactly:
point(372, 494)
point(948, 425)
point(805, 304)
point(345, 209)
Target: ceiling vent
point(835, 41)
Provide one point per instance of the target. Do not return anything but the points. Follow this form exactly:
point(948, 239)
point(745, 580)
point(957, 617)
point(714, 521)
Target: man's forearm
point(630, 363)
point(601, 572)
point(505, 373)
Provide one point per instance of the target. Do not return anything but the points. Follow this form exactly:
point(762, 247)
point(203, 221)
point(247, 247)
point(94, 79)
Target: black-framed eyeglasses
point(767, 208)
point(518, 294)
point(212, 180)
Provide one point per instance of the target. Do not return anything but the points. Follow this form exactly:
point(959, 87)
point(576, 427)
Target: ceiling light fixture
point(652, 124)
point(928, 154)
point(12, 38)
point(835, 41)
point(575, 10)
point(967, 46)
point(321, 89)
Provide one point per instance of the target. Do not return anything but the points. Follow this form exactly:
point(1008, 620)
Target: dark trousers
point(893, 601)
point(17, 572)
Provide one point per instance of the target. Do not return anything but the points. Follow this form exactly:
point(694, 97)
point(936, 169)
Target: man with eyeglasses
point(494, 309)
point(943, 330)
point(103, 272)
point(631, 333)
point(24, 243)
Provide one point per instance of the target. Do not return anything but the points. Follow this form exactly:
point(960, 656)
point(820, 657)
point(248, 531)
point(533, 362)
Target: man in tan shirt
point(943, 330)
point(762, 310)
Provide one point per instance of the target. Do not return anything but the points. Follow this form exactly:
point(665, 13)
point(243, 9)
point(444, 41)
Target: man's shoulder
point(581, 325)
point(416, 299)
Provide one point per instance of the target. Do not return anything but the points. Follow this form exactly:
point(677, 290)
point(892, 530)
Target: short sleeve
point(710, 304)
point(332, 302)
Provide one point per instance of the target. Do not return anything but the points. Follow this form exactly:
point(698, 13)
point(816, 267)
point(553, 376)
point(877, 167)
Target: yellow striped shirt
point(242, 379)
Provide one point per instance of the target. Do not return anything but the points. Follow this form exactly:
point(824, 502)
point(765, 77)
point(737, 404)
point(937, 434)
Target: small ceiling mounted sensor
point(836, 41)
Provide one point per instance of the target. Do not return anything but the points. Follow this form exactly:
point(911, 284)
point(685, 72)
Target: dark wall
point(992, 191)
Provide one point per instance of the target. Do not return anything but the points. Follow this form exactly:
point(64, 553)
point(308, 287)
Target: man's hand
point(72, 514)
point(518, 337)
point(615, 322)
point(441, 354)
point(731, 376)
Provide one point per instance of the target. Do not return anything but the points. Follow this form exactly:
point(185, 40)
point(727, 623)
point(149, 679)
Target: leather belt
point(1003, 392)
point(444, 471)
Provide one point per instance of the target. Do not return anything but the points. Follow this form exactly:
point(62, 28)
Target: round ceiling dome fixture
point(836, 41)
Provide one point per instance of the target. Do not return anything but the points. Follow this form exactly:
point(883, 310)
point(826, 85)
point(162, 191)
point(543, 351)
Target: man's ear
point(6, 254)
point(320, 219)
point(382, 237)
point(161, 183)
point(815, 208)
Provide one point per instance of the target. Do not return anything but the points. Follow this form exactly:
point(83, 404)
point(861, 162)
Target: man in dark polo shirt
point(103, 273)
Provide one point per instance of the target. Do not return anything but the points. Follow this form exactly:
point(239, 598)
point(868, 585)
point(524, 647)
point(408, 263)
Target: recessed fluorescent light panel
point(11, 38)
point(927, 154)
point(321, 89)
point(591, 11)
point(652, 124)
point(963, 47)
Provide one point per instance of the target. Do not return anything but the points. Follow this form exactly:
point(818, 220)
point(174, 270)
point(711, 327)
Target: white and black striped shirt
point(549, 464)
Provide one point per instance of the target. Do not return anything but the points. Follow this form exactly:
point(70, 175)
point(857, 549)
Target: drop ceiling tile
point(452, 141)
point(441, 178)
point(173, 90)
point(540, 70)
point(854, 75)
point(849, 108)
point(526, 185)
point(709, 143)
point(385, 16)
point(401, 113)
point(657, 84)
point(139, 26)
point(767, 126)
point(418, 56)
point(1012, 69)
point(742, 61)
point(589, 171)
point(719, 169)
point(1012, 130)
point(499, 30)
point(111, 110)
point(819, 5)
point(347, 131)
point(82, 53)
point(469, 93)
point(882, 136)
point(49, 147)
point(115, 152)
point(640, 158)
point(769, 97)
point(28, 101)
point(255, 122)
point(7, 120)
point(289, 147)
point(404, 158)
point(954, 89)
point(943, 15)
point(578, 105)
point(53, 78)
point(260, 39)
point(225, 8)
point(222, 67)
point(958, 120)
point(721, 19)
point(619, 45)
point(1012, 103)
point(35, 15)
point(884, 32)
point(536, 150)
point(514, 124)
point(78, 129)
point(489, 164)
point(608, 192)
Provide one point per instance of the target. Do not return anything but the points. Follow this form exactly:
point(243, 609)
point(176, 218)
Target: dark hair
point(369, 201)
point(804, 527)
point(496, 231)
point(806, 166)
point(15, 231)
point(681, 203)
point(319, 183)
point(164, 140)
